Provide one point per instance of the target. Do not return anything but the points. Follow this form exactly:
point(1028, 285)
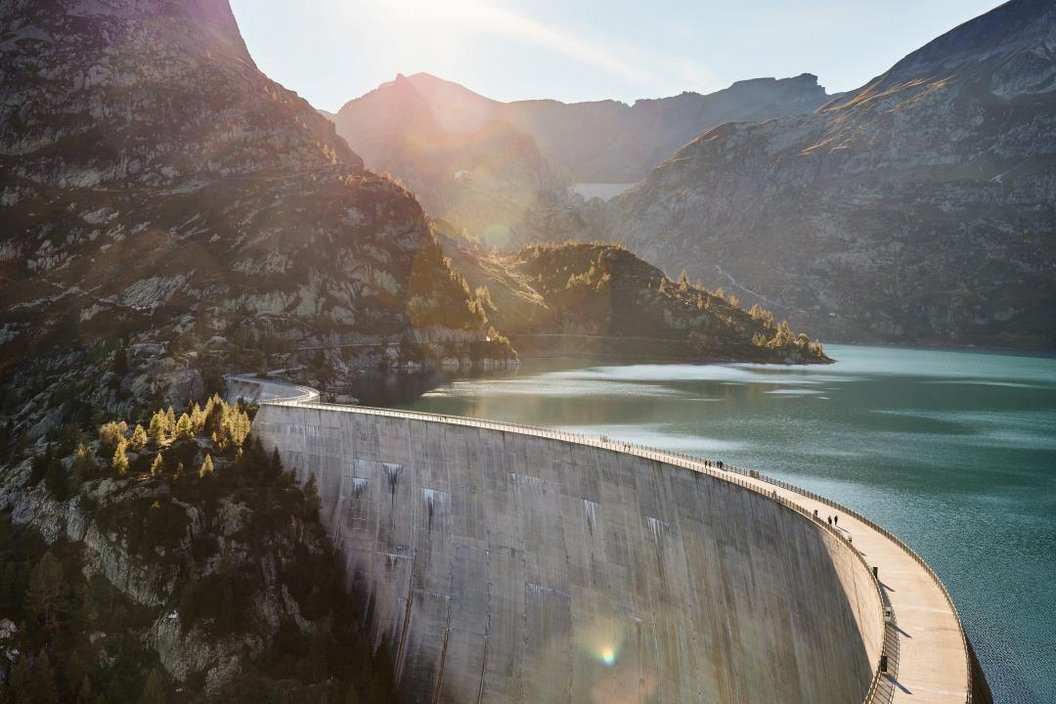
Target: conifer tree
point(20, 682)
point(184, 429)
point(154, 689)
point(120, 459)
point(158, 428)
point(197, 418)
point(156, 465)
point(45, 690)
point(207, 467)
point(139, 439)
point(84, 692)
point(83, 462)
point(46, 591)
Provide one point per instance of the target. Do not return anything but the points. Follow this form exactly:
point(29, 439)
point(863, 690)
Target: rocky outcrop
point(920, 208)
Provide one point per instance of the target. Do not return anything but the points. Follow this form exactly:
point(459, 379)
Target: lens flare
point(601, 637)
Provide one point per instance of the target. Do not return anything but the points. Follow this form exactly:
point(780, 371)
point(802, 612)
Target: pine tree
point(20, 682)
point(184, 429)
point(46, 592)
point(179, 470)
point(158, 428)
point(154, 689)
point(197, 418)
point(120, 459)
point(84, 692)
point(139, 439)
point(156, 465)
point(83, 463)
point(45, 690)
point(207, 467)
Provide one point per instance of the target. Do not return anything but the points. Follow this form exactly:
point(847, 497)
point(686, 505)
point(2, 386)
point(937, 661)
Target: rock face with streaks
point(919, 208)
point(159, 193)
point(502, 567)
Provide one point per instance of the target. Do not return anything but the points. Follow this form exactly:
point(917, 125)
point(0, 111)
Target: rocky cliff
point(920, 208)
point(162, 200)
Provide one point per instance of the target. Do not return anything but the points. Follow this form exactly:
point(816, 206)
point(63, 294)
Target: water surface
point(953, 451)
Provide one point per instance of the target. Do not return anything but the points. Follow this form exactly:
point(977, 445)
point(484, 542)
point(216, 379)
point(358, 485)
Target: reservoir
point(953, 451)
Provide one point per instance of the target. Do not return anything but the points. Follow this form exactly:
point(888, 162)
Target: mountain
point(484, 177)
point(502, 170)
point(920, 208)
point(612, 142)
point(169, 213)
point(574, 299)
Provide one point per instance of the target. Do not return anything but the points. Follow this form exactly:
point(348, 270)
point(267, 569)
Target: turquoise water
point(955, 452)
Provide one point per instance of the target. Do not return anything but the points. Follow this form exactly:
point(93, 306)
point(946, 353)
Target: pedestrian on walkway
point(836, 520)
point(829, 519)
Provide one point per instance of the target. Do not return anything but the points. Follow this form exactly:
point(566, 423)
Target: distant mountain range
point(595, 142)
point(918, 208)
point(502, 169)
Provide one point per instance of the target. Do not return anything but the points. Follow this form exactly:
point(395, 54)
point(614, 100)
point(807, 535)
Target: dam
point(499, 563)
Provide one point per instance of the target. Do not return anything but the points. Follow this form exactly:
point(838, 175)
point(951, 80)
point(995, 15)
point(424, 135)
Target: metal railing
point(308, 398)
point(908, 550)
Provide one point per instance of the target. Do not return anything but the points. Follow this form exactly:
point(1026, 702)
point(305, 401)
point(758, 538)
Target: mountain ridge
point(581, 139)
point(917, 209)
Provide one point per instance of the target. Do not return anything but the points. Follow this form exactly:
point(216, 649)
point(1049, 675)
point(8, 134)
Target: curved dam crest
point(499, 565)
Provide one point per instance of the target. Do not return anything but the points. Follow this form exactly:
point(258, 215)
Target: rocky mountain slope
point(575, 299)
point(919, 208)
point(167, 210)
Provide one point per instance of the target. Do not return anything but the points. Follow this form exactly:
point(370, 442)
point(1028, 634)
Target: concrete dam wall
point(500, 566)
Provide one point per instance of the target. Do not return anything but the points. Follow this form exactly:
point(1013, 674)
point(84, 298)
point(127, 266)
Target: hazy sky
point(330, 51)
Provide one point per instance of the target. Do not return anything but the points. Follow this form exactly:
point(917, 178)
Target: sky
point(331, 51)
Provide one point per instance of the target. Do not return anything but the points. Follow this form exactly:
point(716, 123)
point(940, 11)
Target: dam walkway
point(927, 652)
